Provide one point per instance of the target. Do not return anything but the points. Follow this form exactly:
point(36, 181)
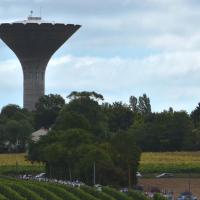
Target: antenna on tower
point(31, 13)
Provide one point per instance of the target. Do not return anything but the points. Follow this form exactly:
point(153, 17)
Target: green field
point(176, 162)
point(17, 164)
point(13, 189)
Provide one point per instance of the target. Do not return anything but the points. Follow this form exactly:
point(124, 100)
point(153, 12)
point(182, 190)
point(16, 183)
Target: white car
point(165, 175)
point(41, 175)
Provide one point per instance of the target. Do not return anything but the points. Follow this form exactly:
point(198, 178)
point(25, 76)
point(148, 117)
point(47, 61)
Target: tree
point(47, 110)
point(89, 108)
point(195, 116)
point(120, 116)
point(80, 142)
point(92, 95)
point(164, 131)
point(69, 119)
point(10, 110)
point(2, 138)
point(127, 155)
point(144, 105)
point(14, 112)
point(133, 103)
point(96, 164)
point(17, 134)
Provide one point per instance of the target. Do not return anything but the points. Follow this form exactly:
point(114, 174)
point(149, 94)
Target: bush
point(96, 193)
point(25, 192)
point(10, 193)
point(137, 195)
point(116, 194)
point(158, 196)
point(62, 193)
point(80, 193)
point(44, 193)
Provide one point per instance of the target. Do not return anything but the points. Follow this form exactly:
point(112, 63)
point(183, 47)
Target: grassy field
point(12, 159)
point(17, 164)
point(171, 158)
point(176, 162)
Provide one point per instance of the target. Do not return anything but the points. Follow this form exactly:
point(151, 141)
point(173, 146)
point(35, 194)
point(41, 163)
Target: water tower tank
point(34, 41)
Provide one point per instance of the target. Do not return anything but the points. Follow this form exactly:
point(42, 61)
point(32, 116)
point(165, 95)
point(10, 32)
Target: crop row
point(13, 189)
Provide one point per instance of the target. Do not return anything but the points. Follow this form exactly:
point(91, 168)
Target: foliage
point(47, 109)
point(16, 125)
point(85, 94)
point(137, 195)
point(80, 139)
point(165, 131)
point(98, 194)
point(120, 117)
point(157, 196)
point(195, 116)
point(116, 194)
point(144, 105)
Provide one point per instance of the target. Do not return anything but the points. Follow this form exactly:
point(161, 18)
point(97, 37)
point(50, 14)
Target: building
point(35, 136)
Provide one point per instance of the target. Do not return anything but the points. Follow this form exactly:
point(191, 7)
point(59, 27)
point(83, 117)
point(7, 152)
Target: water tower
point(34, 41)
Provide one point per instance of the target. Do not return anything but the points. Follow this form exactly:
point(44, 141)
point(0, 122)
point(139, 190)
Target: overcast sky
point(124, 48)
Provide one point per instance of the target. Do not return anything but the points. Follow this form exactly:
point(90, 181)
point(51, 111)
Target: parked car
point(186, 196)
point(41, 175)
point(165, 175)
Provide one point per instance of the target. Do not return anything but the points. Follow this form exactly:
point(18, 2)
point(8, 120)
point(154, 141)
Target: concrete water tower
point(34, 41)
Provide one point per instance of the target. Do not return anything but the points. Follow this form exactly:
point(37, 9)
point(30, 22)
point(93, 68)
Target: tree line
point(90, 138)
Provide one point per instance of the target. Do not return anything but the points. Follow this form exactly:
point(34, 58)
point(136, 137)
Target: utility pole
point(70, 174)
point(129, 176)
point(94, 173)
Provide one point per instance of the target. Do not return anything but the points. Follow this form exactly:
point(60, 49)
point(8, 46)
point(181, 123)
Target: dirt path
point(176, 185)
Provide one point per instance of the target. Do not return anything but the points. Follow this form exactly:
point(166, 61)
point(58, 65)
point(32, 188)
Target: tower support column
point(34, 82)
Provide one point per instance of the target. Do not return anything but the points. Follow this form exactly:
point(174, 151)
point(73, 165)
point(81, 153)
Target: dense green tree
point(119, 115)
point(2, 138)
point(10, 110)
point(14, 112)
point(47, 110)
point(78, 147)
point(192, 140)
point(80, 95)
point(89, 113)
point(127, 155)
point(70, 119)
point(164, 131)
point(195, 116)
point(17, 134)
